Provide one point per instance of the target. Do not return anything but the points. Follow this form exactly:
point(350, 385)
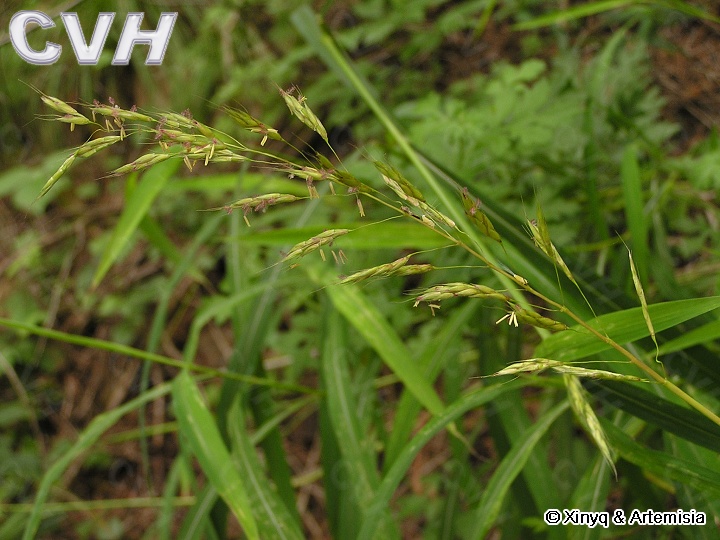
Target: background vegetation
point(165, 375)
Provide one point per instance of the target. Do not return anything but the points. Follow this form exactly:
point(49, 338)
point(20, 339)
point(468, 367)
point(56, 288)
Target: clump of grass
point(170, 136)
point(179, 136)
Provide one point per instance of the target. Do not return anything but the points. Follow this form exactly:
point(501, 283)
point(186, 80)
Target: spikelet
point(453, 290)
point(69, 114)
point(58, 105)
point(538, 365)
point(399, 184)
point(208, 153)
point(78, 120)
point(86, 150)
point(414, 269)
point(253, 125)
point(481, 221)
point(118, 113)
point(398, 267)
point(314, 243)
point(541, 236)
point(95, 145)
point(143, 162)
point(534, 319)
point(300, 109)
point(259, 203)
point(404, 189)
point(58, 174)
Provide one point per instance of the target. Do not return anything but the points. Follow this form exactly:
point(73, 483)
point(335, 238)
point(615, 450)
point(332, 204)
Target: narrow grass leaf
point(12, 526)
point(163, 524)
point(435, 354)
point(591, 495)
point(587, 418)
point(622, 327)
point(136, 207)
point(251, 325)
point(273, 519)
point(99, 425)
point(686, 472)
point(340, 522)
point(635, 211)
point(391, 480)
point(688, 497)
point(196, 520)
point(648, 406)
point(512, 464)
point(572, 13)
point(198, 427)
point(161, 241)
point(356, 447)
point(369, 322)
point(688, 9)
point(118, 348)
point(219, 307)
point(703, 334)
point(157, 327)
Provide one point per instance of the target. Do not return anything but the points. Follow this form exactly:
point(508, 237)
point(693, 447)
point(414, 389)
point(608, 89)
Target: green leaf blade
point(369, 322)
point(273, 519)
point(198, 426)
point(622, 327)
point(136, 208)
